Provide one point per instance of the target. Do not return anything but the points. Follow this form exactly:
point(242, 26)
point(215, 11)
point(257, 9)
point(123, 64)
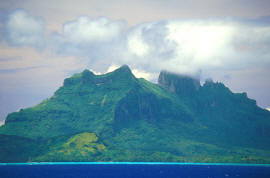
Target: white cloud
point(136, 72)
point(87, 30)
point(100, 40)
point(192, 46)
point(24, 29)
point(199, 43)
point(112, 68)
point(182, 46)
point(136, 44)
point(143, 74)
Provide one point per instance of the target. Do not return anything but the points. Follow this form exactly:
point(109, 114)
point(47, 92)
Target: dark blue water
point(82, 170)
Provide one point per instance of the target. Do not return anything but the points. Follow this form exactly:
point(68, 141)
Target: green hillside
point(118, 117)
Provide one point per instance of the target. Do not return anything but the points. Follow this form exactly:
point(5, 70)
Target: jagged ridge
point(135, 120)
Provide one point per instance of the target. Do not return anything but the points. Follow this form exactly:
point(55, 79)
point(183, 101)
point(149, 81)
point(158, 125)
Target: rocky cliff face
point(136, 105)
point(179, 84)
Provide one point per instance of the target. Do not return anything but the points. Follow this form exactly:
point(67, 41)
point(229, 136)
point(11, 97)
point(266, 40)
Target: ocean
point(132, 170)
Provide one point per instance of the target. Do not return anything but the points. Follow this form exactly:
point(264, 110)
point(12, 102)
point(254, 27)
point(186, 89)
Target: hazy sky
point(43, 42)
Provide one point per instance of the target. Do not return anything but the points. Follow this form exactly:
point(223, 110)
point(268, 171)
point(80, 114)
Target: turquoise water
point(132, 170)
point(136, 163)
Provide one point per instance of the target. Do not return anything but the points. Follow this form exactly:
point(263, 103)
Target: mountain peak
point(116, 117)
point(180, 84)
point(124, 68)
point(123, 72)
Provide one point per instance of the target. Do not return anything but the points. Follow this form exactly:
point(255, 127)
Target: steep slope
point(118, 117)
point(85, 102)
point(226, 118)
point(234, 118)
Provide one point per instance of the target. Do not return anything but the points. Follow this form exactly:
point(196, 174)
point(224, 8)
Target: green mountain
point(118, 117)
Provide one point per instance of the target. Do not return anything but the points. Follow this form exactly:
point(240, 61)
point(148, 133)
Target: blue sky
point(43, 42)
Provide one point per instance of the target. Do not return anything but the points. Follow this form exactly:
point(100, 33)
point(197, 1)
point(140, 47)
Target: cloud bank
point(181, 46)
point(189, 47)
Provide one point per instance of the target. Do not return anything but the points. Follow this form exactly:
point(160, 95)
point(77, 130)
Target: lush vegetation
point(117, 117)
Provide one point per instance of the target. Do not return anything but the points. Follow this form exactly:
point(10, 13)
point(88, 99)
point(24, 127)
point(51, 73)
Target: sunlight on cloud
point(85, 29)
point(198, 39)
point(199, 45)
point(136, 72)
point(195, 46)
point(112, 68)
point(142, 74)
point(181, 46)
point(135, 43)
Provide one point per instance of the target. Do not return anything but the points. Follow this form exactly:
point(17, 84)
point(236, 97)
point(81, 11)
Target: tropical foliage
point(118, 117)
